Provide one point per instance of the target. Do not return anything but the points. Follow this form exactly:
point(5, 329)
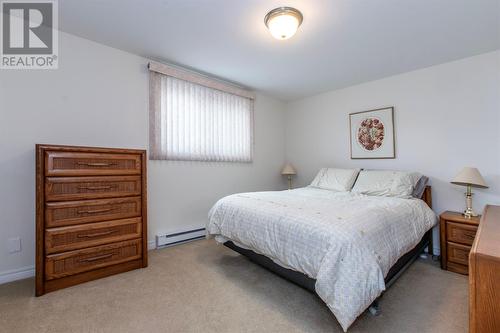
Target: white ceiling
point(340, 43)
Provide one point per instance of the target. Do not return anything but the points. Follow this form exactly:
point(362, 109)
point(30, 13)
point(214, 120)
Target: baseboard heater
point(179, 237)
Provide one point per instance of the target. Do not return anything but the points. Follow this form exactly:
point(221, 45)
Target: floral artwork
point(372, 134)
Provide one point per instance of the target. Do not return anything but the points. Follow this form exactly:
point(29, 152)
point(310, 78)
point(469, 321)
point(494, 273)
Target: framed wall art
point(372, 134)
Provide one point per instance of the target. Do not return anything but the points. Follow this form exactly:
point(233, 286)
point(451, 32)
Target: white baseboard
point(17, 274)
point(151, 245)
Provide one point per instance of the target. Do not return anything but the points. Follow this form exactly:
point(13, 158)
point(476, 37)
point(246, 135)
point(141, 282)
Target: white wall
point(446, 117)
point(99, 97)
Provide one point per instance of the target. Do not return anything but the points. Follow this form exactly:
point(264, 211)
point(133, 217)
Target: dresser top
point(459, 217)
point(488, 235)
point(82, 149)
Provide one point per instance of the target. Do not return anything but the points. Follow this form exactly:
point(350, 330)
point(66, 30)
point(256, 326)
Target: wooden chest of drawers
point(484, 278)
point(457, 235)
point(91, 216)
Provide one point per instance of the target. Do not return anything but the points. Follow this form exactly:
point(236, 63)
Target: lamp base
point(469, 212)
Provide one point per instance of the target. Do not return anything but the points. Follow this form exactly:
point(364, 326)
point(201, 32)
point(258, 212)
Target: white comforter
point(347, 242)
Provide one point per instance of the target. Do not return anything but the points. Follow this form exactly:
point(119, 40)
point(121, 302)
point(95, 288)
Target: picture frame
point(372, 134)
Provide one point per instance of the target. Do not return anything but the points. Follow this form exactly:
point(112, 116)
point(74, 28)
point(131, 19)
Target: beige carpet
point(204, 287)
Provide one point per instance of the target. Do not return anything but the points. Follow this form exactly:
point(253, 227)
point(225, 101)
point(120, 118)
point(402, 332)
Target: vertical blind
point(193, 122)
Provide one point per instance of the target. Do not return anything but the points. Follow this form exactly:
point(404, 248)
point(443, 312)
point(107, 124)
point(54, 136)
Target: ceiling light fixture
point(283, 22)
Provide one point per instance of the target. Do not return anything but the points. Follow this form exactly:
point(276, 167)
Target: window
point(190, 121)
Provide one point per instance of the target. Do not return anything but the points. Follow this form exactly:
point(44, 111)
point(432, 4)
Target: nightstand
point(457, 235)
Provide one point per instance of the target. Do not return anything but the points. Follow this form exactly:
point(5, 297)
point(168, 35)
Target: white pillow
point(335, 179)
point(386, 183)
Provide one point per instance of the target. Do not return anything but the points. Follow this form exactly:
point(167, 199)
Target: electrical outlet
point(14, 244)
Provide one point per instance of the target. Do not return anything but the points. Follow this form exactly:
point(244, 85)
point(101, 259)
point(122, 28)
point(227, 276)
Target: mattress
point(346, 242)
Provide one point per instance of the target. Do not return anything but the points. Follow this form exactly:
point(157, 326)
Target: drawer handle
point(109, 255)
point(95, 211)
point(94, 188)
point(96, 164)
point(469, 236)
point(104, 233)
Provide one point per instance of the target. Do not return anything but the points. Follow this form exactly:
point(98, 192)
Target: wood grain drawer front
point(91, 164)
point(58, 214)
point(80, 188)
point(457, 268)
point(74, 262)
point(458, 253)
point(77, 237)
point(461, 233)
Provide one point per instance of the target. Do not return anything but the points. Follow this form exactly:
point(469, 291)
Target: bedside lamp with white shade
point(469, 177)
point(288, 171)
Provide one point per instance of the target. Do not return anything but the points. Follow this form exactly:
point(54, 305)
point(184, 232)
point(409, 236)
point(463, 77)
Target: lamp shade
point(288, 170)
point(469, 176)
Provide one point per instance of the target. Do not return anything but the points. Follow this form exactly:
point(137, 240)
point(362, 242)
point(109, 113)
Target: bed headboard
point(427, 196)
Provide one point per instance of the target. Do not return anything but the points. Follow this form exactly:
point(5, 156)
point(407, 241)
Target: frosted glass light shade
point(283, 22)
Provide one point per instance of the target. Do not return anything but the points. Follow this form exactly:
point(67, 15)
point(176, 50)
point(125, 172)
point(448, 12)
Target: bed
point(345, 247)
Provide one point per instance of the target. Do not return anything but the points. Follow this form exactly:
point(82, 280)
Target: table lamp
point(469, 177)
point(288, 171)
